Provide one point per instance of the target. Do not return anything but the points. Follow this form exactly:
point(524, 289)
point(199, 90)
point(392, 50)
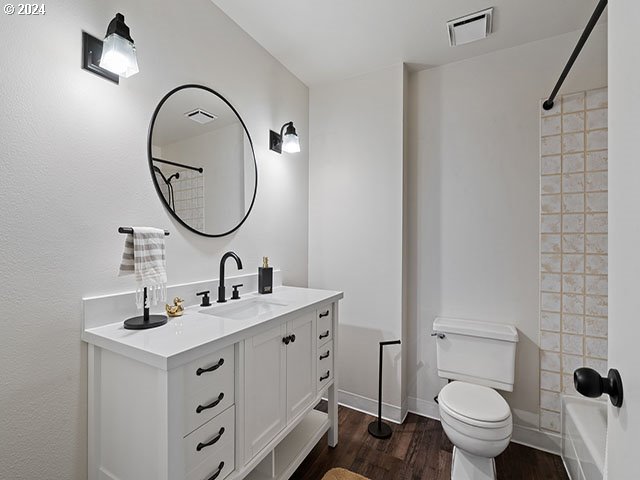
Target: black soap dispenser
point(265, 277)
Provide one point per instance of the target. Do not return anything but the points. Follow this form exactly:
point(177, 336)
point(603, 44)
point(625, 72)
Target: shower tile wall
point(189, 198)
point(573, 245)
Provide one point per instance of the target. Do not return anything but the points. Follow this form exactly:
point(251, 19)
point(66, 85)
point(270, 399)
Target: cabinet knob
point(292, 337)
point(286, 340)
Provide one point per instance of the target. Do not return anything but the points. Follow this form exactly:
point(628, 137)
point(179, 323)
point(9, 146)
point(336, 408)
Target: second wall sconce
point(114, 57)
point(287, 140)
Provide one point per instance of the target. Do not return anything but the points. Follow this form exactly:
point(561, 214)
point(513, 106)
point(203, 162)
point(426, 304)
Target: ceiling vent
point(201, 116)
point(470, 28)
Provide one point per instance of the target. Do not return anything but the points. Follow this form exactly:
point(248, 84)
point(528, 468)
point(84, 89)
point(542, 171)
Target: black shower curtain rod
point(175, 164)
point(548, 104)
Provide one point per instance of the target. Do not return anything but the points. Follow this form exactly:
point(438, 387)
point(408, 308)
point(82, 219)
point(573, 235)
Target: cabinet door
point(265, 388)
point(301, 365)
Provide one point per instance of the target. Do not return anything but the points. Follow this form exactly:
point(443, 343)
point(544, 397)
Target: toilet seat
point(477, 417)
point(475, 405)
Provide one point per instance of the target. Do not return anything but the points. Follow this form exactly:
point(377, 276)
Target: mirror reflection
point(202, 160)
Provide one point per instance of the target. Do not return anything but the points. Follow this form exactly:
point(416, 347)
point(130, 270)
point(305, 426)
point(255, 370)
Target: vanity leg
point(93, 410)
point(332, 434)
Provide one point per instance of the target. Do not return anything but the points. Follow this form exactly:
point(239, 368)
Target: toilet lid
point(475, 402)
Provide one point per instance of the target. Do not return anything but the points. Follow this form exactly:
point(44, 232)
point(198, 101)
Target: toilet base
point(466, 466)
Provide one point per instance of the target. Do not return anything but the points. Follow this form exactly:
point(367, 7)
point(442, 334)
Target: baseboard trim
point(424, 408)
point(391, 413)
point(549, 442)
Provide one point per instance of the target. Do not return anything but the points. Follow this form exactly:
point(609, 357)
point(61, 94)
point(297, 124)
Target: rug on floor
point(342, 474)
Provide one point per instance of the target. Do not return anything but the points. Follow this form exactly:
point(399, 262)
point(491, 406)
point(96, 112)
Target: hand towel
point(144, 256)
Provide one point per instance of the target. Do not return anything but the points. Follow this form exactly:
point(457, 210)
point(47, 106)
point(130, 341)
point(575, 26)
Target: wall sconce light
point(286, 140)
point(114, 57)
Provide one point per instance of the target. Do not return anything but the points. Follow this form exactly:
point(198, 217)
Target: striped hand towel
point(144, 256)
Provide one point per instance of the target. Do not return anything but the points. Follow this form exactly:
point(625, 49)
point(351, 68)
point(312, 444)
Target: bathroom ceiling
point(173, 125)
point(325, 40)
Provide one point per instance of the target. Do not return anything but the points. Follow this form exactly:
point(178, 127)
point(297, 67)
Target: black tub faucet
point(221, 289)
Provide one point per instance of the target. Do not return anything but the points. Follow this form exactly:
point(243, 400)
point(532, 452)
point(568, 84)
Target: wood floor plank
point(418, 450)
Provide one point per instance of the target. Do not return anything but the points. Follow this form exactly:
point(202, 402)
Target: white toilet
point(479, 357)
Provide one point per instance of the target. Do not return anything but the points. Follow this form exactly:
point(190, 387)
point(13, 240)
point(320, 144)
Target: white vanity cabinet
point(265, 388)
point(301, 368)
point(234, 406)
point(279, 379)
point(149, 423)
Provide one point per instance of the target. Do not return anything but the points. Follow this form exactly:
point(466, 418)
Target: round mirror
point(202, 161)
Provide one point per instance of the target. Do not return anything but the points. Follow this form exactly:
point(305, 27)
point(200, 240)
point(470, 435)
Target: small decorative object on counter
point(175, 310)
point(265, 277)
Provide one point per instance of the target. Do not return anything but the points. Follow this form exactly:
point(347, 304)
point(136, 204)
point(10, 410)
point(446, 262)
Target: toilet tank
point(477, 352)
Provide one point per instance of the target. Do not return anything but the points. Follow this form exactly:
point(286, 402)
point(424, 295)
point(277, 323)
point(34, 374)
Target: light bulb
point(119, 56)
point(291, 143)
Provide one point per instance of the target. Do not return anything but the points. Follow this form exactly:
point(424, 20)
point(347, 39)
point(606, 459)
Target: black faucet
point(221, 292)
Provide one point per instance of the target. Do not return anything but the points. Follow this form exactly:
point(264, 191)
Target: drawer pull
point(325, 376)
point(213, 368)
point(324, 355)
point(211, 405)
point(324, 314)
point(217, 472)
point(324, 335)
point(210, 442)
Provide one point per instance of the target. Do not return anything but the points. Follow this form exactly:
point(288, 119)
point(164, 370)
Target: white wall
point(474, 199)
point(624, 216)
point(74, 167)
point(355, 223)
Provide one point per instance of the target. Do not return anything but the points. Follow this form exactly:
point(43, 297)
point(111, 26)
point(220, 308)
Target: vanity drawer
point(324, 324)
point(209, 388)
point(325, 358)
point(211, 448)
point(324, 376)
point(206, 371)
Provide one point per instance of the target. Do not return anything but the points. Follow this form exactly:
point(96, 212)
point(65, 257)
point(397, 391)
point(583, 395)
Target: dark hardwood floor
point(418, 450)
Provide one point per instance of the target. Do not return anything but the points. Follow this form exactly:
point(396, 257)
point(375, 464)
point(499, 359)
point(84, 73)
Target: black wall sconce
point(114, 57)
point(286, 140)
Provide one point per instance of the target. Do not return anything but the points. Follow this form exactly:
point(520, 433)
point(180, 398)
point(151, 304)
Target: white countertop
point(194, 334)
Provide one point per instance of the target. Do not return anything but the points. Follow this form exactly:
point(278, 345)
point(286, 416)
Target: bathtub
point(584, 436)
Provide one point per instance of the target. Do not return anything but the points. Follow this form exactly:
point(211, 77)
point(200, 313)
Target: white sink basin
point(245, 310)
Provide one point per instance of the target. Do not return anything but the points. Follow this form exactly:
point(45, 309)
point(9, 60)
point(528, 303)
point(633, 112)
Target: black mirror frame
point(155, 181)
